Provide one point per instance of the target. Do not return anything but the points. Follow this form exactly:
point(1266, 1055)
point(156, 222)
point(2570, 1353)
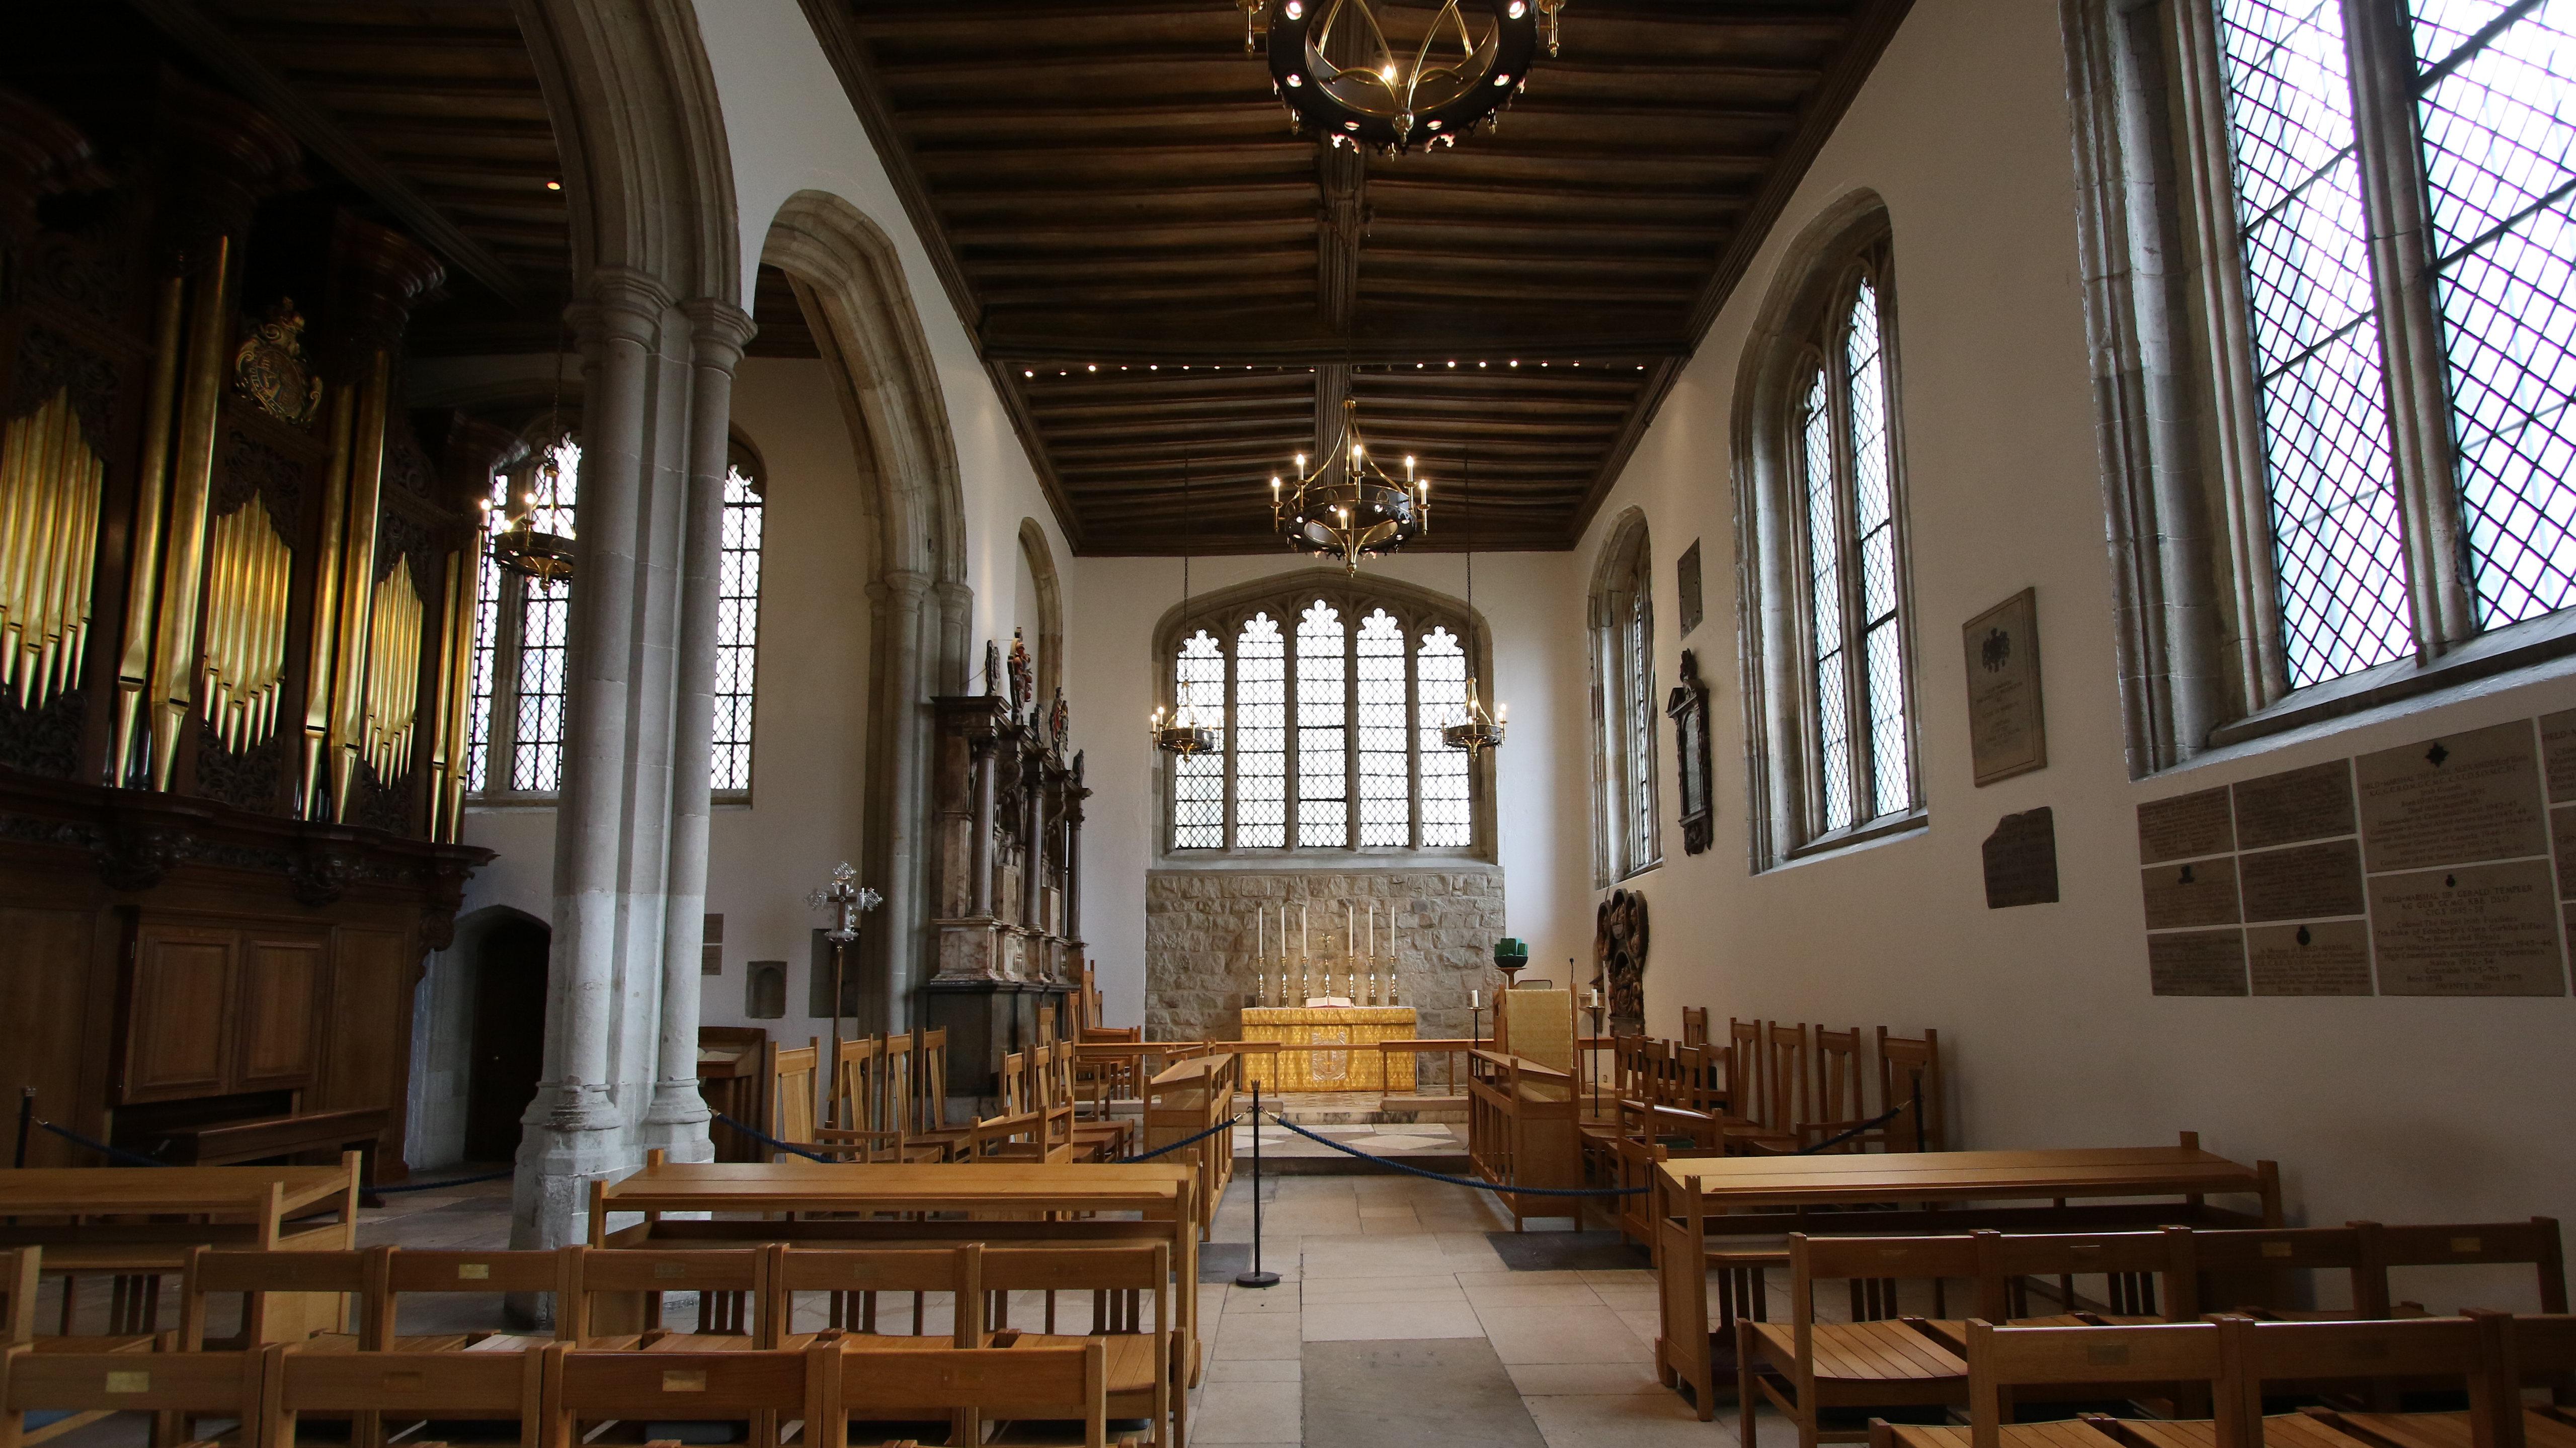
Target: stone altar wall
point(1199, 936)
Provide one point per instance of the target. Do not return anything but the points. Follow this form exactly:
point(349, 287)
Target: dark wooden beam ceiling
point(1164, 280)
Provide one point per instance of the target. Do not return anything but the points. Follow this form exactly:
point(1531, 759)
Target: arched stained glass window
point(1440, 672)
point(1323, 729)
point(1260, 735)
point(1198, 783)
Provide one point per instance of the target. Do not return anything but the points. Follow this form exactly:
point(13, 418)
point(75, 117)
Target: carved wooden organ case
point(236, 624)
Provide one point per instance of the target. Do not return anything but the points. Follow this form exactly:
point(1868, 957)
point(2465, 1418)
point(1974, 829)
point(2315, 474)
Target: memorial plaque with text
point(2021, 860)
point(2562, 823)
point(2185, 826)
point(2314, 803)
point(2328, 958)
point(2453, 800)
point(2558, 754)
point(2477, 930)
point(2007, 727)
point(2197, 963)
point(2303, 882)
point(2202, 892)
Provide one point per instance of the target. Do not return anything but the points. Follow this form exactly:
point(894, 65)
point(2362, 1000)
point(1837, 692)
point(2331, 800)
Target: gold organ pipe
point(192, 475)
point(50, 486)
point(358, 570)
point(321, 664)
point(440, 746)
point(133, 669)
point(464, 612)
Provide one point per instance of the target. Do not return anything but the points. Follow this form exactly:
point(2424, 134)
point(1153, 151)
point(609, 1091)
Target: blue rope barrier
point(1442, 1176)
point(1185, 1141)
point(489, 1176)
point(756, 1134)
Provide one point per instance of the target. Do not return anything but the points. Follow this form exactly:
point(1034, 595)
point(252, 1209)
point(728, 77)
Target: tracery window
point(1820, 501)
point(2379, 197)
point(1625, 837)
point(1327, 703)
point(516, 721)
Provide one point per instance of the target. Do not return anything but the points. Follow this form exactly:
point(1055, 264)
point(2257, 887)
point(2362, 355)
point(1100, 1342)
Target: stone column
point(1033, 844)
point(980, 848)
point(905, 916)
point(678, 1119)
point(612, 736)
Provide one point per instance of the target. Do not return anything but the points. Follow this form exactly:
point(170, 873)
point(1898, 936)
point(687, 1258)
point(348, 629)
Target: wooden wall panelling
point(282, 1004)
point(45, 976)
point(373, 973)
point(181, 985)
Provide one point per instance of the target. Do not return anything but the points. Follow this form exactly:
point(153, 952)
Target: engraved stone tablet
point(2185, 826)
point(2477, 930)
point(2562, 823)
point(2330, 957)
point(2197, 963)
point(2558, 754)
point(2448, 801)
point(2021, 860)
point(2302, 882)
point(2314, 803)
point(2202, 892)
point(2007, 730)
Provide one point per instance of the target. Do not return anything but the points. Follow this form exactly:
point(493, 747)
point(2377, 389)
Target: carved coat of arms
point(271, 369)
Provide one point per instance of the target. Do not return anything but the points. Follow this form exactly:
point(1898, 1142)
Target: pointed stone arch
point(1050, 589)
point(849, 281)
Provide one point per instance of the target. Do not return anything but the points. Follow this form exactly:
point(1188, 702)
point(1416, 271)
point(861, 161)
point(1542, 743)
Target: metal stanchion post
point(26, 1120)
point(1256, 1277)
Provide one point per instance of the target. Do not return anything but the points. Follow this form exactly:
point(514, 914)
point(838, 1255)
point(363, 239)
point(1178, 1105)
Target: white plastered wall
point(1539, 780)
point(2399, 1109)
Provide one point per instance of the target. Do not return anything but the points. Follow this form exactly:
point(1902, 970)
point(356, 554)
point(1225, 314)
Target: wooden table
point(160, 1213)
point(1698, 1198)
point(1163, 1194)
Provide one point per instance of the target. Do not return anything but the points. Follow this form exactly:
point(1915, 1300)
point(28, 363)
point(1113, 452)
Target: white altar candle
point(1474, 1002)
point(1302, 924)
point(1260, 923)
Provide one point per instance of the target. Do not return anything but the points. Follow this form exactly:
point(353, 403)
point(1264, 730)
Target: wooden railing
point(1522, 1131)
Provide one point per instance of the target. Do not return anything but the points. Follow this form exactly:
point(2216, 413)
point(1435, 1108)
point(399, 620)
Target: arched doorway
point(505, 1030)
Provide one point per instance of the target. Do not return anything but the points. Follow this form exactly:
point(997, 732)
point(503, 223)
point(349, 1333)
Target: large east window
point(1326, 704)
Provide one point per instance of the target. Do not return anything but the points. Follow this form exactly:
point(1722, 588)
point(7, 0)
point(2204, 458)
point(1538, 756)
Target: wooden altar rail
point(1187, 1098)
point(1522, 1132)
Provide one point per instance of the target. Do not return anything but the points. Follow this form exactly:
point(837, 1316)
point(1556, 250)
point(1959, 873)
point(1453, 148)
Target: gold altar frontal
point(1314, 1031)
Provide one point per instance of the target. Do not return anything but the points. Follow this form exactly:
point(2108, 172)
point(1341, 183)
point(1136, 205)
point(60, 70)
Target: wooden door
point(509, 1037)
point(179, 1016)
point(280, 1013)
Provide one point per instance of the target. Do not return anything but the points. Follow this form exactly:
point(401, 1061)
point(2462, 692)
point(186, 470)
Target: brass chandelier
point(1476, 729)
point(1452, 83)
point(1184, 735)
point(1349, 506)
point(533, 536)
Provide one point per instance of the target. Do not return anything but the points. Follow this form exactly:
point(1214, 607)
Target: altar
point(1312, 1036)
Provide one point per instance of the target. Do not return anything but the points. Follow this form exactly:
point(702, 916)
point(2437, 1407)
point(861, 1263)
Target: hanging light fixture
point(531, 533)
point(1185, 735)
point(1349, 506)
point(1453, 83)
point(1475, 730)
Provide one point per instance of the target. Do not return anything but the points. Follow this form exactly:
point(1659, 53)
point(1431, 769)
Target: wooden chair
point(852, 1279)
point(2247, 1270)
point(1881, 1358)
point(930, 1095)
point(1909, 1075)
point(2367, 1356)
point(1767, 1124)
point(2534, 1244)
point(2143, 1277)
point(1839, 1105)
point(590, 1386)
point(410, 1388)
point(1694, 1025)
point(1100, 1138)
point(399, 1272)
point(2078, 1361)
point(1142, 1355)
point(21, 1272)
point(178, 1388)
point(252, 1276)
point(1027, 1389)
point(791, 1075)
point(2523, 1350)
point(732, 1285)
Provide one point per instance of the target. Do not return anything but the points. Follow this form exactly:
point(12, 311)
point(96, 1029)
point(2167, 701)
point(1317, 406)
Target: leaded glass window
point(1440, 671)
point(544, 614)
point(1625, 838)
point(1328, 728)
point(2356, 237)
point(1198, 780)
point(1260, 735)
point(1323, 733)
point(1860, 733)
point(737, 632)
